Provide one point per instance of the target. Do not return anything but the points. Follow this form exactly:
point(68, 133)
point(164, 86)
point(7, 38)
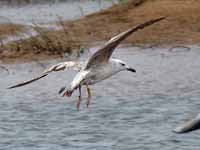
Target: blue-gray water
point(45, 13)
point(128, 111)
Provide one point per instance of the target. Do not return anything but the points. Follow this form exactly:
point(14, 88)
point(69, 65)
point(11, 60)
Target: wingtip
point(15, 86)
point(159, 19)
point(163, 17)
point(10, 87)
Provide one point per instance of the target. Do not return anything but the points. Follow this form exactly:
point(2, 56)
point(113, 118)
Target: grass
point(182, 26)
point(47, 42)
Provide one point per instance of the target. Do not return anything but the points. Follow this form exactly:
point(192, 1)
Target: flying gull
point(97, 68)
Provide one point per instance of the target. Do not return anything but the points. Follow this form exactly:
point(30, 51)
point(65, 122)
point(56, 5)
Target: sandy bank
point(182, 26)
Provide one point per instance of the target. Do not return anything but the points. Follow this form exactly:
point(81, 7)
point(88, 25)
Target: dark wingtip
point(12, 87)
point(148, 23)
point(27, 82)
point(156, 20)
point(161, 18)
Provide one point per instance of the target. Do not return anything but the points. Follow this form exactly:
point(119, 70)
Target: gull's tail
point(62, 89)
point(68, 92)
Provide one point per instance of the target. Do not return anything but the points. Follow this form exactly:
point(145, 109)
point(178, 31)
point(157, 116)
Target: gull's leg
point(89, 96)
point(79, 98)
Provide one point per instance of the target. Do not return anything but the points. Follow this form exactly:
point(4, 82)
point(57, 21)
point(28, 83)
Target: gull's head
point(121, 66)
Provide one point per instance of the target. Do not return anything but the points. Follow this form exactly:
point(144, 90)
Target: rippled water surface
point(128, 111)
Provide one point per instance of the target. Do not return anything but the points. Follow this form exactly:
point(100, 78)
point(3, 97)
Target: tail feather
point(62, 89)
point(68, 93)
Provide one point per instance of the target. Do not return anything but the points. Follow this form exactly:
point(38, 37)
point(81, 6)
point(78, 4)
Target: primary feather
point(58, 67)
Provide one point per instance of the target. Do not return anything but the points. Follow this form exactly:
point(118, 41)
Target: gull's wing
point(189, 126)
point(103, 54)
point(58, 67)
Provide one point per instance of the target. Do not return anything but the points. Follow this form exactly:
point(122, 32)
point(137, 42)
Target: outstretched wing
point(103, 54)
point(58, 67)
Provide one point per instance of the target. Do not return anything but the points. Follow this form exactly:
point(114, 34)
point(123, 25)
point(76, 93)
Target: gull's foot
point(88, 102)
point(68, 93)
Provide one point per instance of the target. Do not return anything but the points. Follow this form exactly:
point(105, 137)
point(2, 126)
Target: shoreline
point(180, 28)
point(31, 57)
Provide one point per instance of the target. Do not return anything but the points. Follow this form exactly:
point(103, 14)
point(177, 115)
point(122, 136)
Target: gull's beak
point(131, 69)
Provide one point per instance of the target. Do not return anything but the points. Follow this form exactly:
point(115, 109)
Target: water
point(45, 13)
point(128, 111)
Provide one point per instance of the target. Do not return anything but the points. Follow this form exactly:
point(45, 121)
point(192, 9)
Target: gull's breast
point(98, 74)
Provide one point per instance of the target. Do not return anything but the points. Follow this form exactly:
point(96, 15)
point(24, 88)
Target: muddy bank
point(180, 27)
point(8, 29)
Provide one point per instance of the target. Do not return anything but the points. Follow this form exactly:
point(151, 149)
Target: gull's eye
point(123, 64)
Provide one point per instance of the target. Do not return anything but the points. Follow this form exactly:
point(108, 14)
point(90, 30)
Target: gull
point(96, 68)
point(189, 126)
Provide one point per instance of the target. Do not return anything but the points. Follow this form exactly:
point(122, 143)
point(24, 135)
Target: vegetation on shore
point(8, 29)
point(182, 26)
